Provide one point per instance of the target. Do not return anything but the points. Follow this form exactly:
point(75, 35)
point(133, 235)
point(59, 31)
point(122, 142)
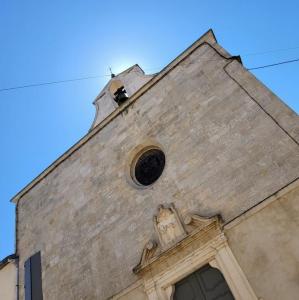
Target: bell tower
point(117, 91)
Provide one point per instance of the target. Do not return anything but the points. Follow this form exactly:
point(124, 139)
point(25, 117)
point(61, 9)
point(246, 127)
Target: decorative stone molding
point(193, 221)
point(183, 248)
point(168, 226)
point(147, 253)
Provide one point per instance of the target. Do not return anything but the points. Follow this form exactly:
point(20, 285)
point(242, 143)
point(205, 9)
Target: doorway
point(207, 283)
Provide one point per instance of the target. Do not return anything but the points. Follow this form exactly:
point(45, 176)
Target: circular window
point(148, 166)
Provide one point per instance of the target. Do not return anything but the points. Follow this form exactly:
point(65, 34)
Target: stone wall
point(224, 154)
point(135, 291)
point(266, 246)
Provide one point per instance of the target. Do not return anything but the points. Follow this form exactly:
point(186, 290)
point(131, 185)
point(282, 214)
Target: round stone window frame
point(133, 159)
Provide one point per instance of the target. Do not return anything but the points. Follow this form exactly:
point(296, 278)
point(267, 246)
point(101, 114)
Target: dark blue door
point(33, 279)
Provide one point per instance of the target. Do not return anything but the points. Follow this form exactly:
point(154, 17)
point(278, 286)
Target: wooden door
point(206, 283)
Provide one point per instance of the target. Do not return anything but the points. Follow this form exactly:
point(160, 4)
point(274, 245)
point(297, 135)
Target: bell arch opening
point(118, 92)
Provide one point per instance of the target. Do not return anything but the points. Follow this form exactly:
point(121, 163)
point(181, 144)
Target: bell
point(121, 95)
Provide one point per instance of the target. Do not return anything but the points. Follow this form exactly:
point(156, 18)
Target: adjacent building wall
point(224, 154)
point(266, 246)
point(8, 282)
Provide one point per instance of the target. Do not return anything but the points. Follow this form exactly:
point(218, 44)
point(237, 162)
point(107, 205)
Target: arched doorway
point(207, 283)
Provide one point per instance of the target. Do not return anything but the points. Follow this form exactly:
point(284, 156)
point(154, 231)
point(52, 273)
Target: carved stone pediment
point(173, 234)
point(148, 252)
point(197, 222)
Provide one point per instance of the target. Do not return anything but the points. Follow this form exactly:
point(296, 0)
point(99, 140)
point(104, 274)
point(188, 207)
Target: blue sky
point(56, 40)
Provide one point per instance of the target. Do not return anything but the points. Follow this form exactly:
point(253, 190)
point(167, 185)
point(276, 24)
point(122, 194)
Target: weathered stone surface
point(223, 155)
point(134, 293)
point(266, 246)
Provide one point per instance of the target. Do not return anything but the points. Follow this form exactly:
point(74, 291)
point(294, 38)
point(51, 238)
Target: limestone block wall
point(135, 291)
point(224, 154)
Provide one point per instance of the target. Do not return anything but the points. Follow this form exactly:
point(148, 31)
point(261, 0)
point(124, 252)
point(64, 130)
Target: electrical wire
point(276, 64)
point(100, 76)
point(51, 82)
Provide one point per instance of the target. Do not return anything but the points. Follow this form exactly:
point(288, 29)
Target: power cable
point(276, 64)
point(51, 82)
point(99, 76)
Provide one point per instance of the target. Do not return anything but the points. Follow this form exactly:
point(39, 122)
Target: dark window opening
point(33, 278)
point(149, 166)
point(120, 96)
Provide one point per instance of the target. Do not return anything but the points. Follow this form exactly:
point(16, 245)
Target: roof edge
point(207, 38)
point(7, 260)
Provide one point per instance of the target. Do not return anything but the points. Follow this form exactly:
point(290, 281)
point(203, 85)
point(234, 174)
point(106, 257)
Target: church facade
point(186, 187)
